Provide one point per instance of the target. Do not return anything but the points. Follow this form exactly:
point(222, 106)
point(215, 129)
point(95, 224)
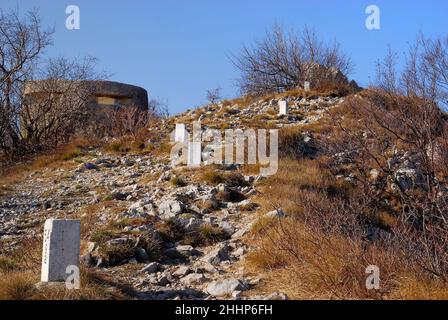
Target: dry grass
point(17, 286)
point(162, 149)
point(127, 144)
point(206, 235)
point(61, 157)
point(316, 252)
point(20, 271)
point(94, 286)
point(170, 230)
point(295, 181)
point(178, 181)
point(74, 149)
point(5, 189)
point(8, 264)
point(308, 264)
point(213, 175)
point(89, 216)
point(412, 288)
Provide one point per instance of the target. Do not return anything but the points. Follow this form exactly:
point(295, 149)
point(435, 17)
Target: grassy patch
point(94, 286)
point(170, 230)
point(215, 176)
point(16, 286)
point(102, 236)
point(206, 235)
point(125, 222)
point(230, 195)
point(8, 264)
point(178, 181)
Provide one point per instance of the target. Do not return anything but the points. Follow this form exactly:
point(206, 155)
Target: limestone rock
point(225, 287)
point(217, 255)
point(193, 278)
point(278, 213)
point(151, 267)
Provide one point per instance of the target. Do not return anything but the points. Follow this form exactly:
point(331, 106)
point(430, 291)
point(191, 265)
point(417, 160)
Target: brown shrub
point(16, 286)
point(214, 175)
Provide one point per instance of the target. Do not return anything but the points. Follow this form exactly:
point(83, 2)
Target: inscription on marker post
point(61, 246)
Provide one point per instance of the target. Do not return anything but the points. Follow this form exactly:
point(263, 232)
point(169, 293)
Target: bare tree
point(425, 74)
point(283, 61)
point(38, 115)
point(214, 95)
point(121, 121)
point(53, 109)
point(399, 130)
point(129, 120)
point(158, 108)
point(22, 40)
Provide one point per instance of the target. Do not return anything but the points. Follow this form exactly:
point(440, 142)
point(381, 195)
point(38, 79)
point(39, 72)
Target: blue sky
point(179, 49)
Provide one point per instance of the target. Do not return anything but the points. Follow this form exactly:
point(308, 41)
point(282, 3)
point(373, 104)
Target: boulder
point(181, 271)
point(409, 177)
point(170, 208)
point(225, 287)
point(187, 250)
point(151, 268)
point(278, 213)
point(141, 255)
point(90, 166)
point(193, 278)
point(217, 255)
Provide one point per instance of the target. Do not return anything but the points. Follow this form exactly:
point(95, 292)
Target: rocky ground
point(164, 231)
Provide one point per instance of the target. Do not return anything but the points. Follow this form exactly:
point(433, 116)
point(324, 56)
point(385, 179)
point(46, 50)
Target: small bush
point(117, 147)
point(16, 286)
point(206, 235)
point(170, 230)
point(230, 195)
point(216, 176)
point(7, 264)
point(102, 236)
point(116, 254)
point(178, 181)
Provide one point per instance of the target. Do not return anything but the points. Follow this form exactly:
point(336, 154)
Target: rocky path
point(133, 197)
point(163, 231)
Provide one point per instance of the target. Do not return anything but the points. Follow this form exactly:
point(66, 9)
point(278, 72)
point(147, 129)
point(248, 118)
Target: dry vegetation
point(282, 61)
point(20, 270)
point(334, 227)
point(321, 250)
point(375, 196)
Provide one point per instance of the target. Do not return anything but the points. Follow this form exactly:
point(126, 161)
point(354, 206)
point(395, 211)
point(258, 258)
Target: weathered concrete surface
point(194, 154)
point(102, 92)
point(283, 107)
point(181, 135)
point(60, 248)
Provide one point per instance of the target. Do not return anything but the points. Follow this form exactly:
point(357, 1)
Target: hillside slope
point(151, 230)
